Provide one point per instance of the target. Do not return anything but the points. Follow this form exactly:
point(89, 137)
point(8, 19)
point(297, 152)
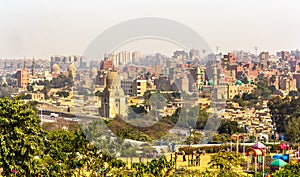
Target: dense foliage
point(230, 127)
point(28, 150)
point(21, 139)
point(285, 112)
point(288, 170)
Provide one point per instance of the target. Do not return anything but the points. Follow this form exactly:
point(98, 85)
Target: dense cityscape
point(172, 88)
point(139, 97)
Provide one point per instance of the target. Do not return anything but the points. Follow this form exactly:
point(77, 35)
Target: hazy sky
point(37, 28)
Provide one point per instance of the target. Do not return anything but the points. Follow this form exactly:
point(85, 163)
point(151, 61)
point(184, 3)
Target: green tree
point(282, 110)
point(229, 127)
point(61, 81)
point(6, 92)
point(157, 167)
point(30, 88)
point(136, 111)
point(279, 109)
point(221, 138)
point(63, 94)
point(293, 129)
point(293, 93)
point(21, 139)
point(262, 89)
point(288, 170)
point(147, 95)
point(27, 97)
point(225, 162)
point(98, 93)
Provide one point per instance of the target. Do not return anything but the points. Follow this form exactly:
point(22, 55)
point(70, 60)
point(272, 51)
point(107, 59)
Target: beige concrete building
point(136, 56)
point(239, 89)
point(287, 84)
point(37, 96)
point(182, 83)
point(256, 120)
point(113, 101)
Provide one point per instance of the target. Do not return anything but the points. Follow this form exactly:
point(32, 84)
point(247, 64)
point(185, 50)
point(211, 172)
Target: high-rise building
point(65, 61)
point(180, 54)
point(124, 57)
point(136, 56)
point(114, 58)
point(194, 53)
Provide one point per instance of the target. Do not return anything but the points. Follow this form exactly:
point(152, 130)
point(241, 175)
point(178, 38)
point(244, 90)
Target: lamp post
point(274, 130)
point(190, 142)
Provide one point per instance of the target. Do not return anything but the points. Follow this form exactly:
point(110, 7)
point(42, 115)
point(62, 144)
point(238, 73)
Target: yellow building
point(72, 70)
point(204, 102)
point(238, 89)
point(37, 96)
point(139, 87)
point(135, 101)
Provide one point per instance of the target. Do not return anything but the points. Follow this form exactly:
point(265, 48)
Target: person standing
point(176, 156)
point(198, 160)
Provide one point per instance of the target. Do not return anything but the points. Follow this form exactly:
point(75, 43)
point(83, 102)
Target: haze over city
point(43, 28)
point(150, 88)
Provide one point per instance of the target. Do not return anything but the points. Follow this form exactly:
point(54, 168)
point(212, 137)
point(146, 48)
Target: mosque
point(55, 70)
point(113, 101)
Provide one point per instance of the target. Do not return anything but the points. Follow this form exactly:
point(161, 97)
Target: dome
point(3, 79)
point(94, 72)
point(72, 67)
point(113, 79)
point(55, 69)
point(210, 82)
point(238, 82)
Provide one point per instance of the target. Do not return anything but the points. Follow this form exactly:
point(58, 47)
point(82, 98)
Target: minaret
point(215, 74)
point(24, 64)
point(33, 72)
point(5, 64)
point(199, 81)
point(215, 88)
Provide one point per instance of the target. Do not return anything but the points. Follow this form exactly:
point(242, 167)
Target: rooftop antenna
point(203, 51)
point(255, 51)
point(24, 63)
point(33, 67)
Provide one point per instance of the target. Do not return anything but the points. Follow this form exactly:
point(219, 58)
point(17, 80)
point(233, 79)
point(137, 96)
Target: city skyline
point(41, 29)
